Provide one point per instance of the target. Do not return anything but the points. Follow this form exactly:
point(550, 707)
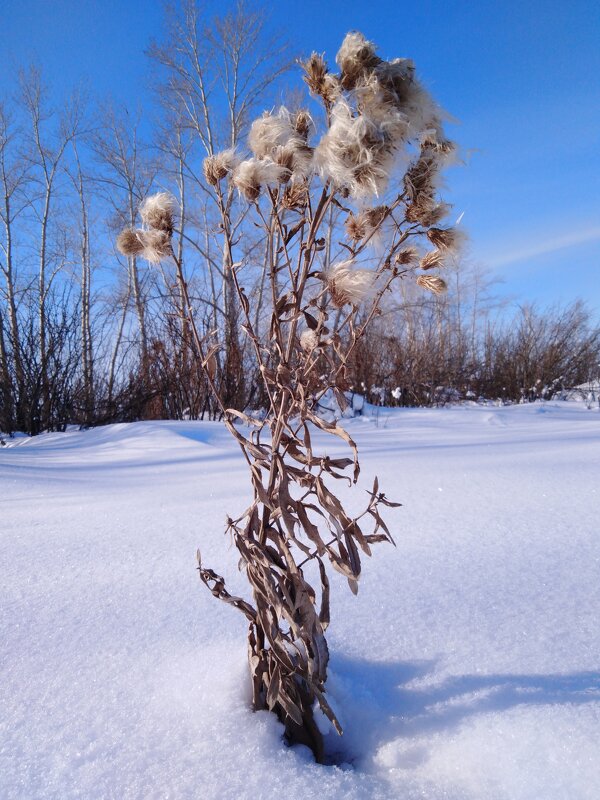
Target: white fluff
point(218, 166)
point(156, 245)
point(348, 285)
point(227, 159)
point(356, 152)
point(355, 56)
point(270, 131)
point(308, 340)
point(274, 136)
point(251, 175)
point(157, 207)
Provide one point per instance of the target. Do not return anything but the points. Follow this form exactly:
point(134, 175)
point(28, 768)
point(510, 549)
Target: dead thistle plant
point(321, 307)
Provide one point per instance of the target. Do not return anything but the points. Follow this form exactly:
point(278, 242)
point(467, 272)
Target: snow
point(467, 668)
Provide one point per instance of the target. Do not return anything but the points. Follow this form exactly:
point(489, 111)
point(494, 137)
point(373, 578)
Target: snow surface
point(466, 668)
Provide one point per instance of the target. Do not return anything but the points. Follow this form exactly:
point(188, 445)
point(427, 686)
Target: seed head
point(445, 238)
point(432, 259)
point(302, 123)
point(309, 340)
point(347, 285)
point(157, 245)
point(157, 211)
point(355, 57)
point(409, 255)
point(129, 243)
point(251, 175)
point(295, 195)
point(218, 166)
point(433, 283)
point(319, 80)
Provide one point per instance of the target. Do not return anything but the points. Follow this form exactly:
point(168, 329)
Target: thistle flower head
point(218, 166)
point(270, 131)
point(154, 241)
point(446, 238)
point(409, 255)
point(157, 245)
point(355, 57)
point(295, 195)
point(359, 226)
point(153, 245)
point(315, 68)
point(157, 211)
point(251, 175)
point(284, 156)
point(432, 259)
point(420, 184)
point(432, 283)
point(129, 243)
point(276, 137)
point(319, 80)
point(397, 75)
point(356, 152)
point(392, 88)
point(434, 140)
point(309, 340)
point(348, 285)
point(356, 227)
point(302, 123)
point(427, 211)
point(295, 157)
point(375, 101)
point(423, 175)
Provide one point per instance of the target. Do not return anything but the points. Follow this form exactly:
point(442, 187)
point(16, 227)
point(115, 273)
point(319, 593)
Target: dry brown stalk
point(320, 311)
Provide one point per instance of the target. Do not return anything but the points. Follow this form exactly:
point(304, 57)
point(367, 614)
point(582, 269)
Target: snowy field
point(468, 667)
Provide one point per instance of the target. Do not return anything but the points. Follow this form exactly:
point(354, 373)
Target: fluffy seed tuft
point(348, 285)
point(309, 340)
point(157, 211)
point(157, 245)
point(218, 166)
point(359, 226)
point(432, 283)
point(432, 259)
point(445, 238)
point(355, 57)
point(319, 80)
point(356, 152)
point(129, 243)
point(275, 137)
point(251, 175)
point(409, 255)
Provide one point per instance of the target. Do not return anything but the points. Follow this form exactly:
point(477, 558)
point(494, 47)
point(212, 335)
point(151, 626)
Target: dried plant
point(321, 308)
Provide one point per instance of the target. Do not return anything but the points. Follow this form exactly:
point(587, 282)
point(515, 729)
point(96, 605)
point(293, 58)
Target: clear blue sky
point(522, 76)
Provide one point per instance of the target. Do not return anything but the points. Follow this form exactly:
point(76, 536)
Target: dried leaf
point(324, 614)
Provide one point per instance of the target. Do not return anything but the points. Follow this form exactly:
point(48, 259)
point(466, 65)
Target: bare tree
point(14, 177)
point(46, 152)
point(126, 173)
point(212, 73)
point(87, 352)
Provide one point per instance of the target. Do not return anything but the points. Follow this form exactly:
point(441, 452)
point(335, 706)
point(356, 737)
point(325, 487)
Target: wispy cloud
point(539, 247)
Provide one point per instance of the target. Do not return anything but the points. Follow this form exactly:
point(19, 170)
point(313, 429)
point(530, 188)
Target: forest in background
point(88, 336)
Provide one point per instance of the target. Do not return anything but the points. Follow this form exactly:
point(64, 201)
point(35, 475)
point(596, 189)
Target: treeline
point(88, 336)
point(439, 352)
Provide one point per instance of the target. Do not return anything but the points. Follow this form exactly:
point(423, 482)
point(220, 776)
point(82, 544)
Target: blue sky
point(523, 78)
